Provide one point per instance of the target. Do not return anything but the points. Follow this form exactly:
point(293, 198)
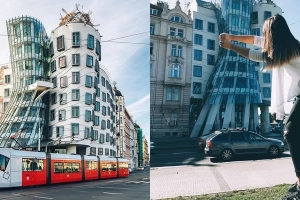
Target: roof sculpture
point(76, 16)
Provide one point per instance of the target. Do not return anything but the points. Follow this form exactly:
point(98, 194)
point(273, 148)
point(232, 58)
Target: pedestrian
point(257, 129)
point(280, 51)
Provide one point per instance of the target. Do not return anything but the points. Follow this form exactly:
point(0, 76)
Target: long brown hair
point(280, 46)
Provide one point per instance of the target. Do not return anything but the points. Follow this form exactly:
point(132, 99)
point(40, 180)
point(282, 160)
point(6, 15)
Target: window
point(242, 67)
point(101, 139)
point(172, 31)
point(221, 137)
point(52, 115)
point(255, 31)
point(196, 88)
point(90, 42)
point(96, 120)
point(210, 44)
point(197, 55)
point(53, 66)
point(76, 39)
point(75, 128)
point(175, 71)
point(75, 111)
point(236, 4)
point(5, 106)
point(27, 29)
point(237, 136)
point(89, 61)
point(151, 48)
point(60, 43)
point(198, 39)
point(267, 92)
point(19, 50)
point(53, 98)
point(179, 52)
point(87, 115)
point(103, 124)
point(244, 7)
point(7, 79)
point(198, 24)
point(88, 81)
point(104, 96)
point(75, 77)
point(17, 30)
point(96, 65)
point(63, 98)
point(177, 19)
point(231, 66)
point(51, 50)
point(197, 71)
point(228, 82)
point(266, 78)
point(153, 11)
point(210, 59)
point(61, 115)
point(97, 106)
point(86, 132)
point(98, 92)
point(267, 14)
point(63, 81)
point(107, 137)
point(54, 81)
point(95, 135)
point(211, 27)
point(172, 94)
point(100, 151)
point(103, 110)
point(103, 81)
point(152, 29)
point(76, 59)
point(75, 94)
point(27, 48)
point(98, 48)
point(235, 20)
point(254, 18)
point(62, 62)
point(173, 50)
point(6, 92)
point(88, 98)
point(180, 33)
point(241, 82)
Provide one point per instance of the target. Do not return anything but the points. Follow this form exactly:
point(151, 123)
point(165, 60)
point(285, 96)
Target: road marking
point(138, 182)
point(114, 181)
point(111, 193)
point(182, 153)
point(114, 188)
point(43, 197)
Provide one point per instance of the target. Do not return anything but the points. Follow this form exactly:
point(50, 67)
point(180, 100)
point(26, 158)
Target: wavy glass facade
point(232, 95)
point(27, 44)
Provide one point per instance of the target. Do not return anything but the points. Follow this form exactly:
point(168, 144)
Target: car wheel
point(226, 155)
point(274, 152)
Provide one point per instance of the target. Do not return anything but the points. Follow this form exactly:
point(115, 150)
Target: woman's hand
point(225, 44)
point(225, 36)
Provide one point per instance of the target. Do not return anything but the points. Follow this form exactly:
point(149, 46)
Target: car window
point(237, 136)
point(253, 137)
point(221, 137)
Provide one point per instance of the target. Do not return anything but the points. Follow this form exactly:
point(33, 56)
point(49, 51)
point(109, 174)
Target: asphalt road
point(195, 157)
point(136, 186)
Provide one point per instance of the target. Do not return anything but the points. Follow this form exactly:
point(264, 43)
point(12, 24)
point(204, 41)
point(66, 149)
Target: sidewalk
point(175, 142)
point(170, 182)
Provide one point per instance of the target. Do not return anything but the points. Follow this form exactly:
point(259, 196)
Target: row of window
point(108, 152)
point(26, 27)
point(198, 57)
point(199, 25)
point(28, 48)
point(198, 39)
point(254, 16)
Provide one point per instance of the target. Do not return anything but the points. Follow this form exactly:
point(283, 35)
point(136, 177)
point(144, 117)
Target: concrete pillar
point(233, 117)
point(71, 149)
point(211, 117)
point(200, 120)
point(228, 114)
point(217, 121)
point(246, 113)
point(265, 119)
point(255, 116)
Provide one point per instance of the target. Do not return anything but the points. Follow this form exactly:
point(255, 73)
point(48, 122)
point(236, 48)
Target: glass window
point(103, 124)
point(52, 115)
point(27, 48)
point(89, 61)
point(236, 4)
point(6, 92)
point(221, 137)
point(175, 71)
point(75, 77)
point(196, 88)
point(63, 81)
point(62, 62)
point(103, 110)
point(210, 59)
point(51, 49)
point(88, 98)
point(244, 7)
point(53, 66)
point(100, 151)
point(76, 39)
point(96, 120)
point(17, 30)
point(97, 106)
point(19, 50)
point(180, 33)
point(242, 67)
point(197, 71)
point(86, 132)
point(104, 96)
point(172, 94)
point(60, 43)
point(267, 14)
point(30, 164)
point(152, 29)
point(107, 137)
point(75, 128)
point(153, 11)
point(177, 19)
point(151, 48)
point(237, 136)
point(76, 59)
point(235, 20)
point(198, 39)
point(198, 24)
point(62, 115)
point(267, 92)
point(267, 77)
point(254, 18)
point(75, 94)
point(179, 52)
point(63, 98)
point(87, 115)
point(241, 82)
point(173, 50)
point(103, 81)
point(172, 31)
point(26, 29)
point(230, 66)
point(89, 81)
point(228, 82)
point(90, 42)
point(75, 111)
point(210, 44)
point(53, 98)
point(211, 27)
point(197, 55)
point(101, 139)
point(255, 31)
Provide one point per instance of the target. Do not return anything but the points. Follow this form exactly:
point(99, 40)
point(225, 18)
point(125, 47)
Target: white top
point(285, 80)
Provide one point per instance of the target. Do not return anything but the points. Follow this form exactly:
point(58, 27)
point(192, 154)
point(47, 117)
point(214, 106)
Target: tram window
point(91, 165)
point(3, 162)
point(31, 164)
point(68, 168)
point(104, 167)
point(75, 167)
point(58, 167)
point(113, 167)
point(123, 165)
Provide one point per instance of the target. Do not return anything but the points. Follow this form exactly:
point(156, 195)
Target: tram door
point(5, 177)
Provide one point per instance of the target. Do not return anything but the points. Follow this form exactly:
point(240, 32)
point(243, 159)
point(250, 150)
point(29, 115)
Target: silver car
point(230, 142)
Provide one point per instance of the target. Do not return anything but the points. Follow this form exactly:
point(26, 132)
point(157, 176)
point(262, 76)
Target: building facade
point(234, 88)
point(146, 152)
point(170, 70)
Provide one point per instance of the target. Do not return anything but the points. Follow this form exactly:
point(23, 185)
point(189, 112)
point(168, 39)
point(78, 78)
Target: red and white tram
point(27, 168)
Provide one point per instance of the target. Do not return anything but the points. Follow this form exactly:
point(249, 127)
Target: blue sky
point(126, 59)
point(290, 10)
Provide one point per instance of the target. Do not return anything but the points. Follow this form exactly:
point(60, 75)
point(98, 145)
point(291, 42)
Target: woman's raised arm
point(248, 39)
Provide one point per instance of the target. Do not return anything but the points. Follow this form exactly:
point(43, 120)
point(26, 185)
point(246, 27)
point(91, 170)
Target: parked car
point(227, 143)
point(202, 140)
point(276, 129)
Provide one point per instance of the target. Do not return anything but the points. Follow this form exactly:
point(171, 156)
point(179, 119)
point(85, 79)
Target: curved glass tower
point(232, 94)
point(24, 117)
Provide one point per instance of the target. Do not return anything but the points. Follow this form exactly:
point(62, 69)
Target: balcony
point(40, 86)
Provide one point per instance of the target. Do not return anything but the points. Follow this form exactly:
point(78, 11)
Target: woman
point(281, 53)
